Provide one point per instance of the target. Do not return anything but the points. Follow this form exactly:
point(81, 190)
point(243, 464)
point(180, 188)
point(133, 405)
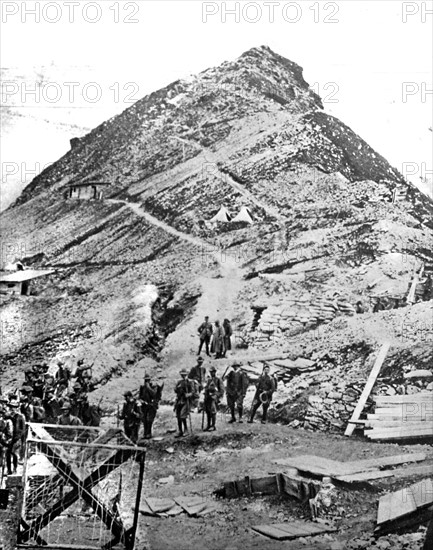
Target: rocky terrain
point(137, 271)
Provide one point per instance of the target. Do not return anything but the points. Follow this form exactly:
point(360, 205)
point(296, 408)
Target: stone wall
point(293, 315)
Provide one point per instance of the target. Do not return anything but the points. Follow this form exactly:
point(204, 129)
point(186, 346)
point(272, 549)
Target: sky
point(369, 60)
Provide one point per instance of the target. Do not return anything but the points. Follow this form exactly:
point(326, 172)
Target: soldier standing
point(205, 333)
point(237, 385)
point(27, 403)
point(150, 395)
point(198, 373)
point(131, 416)
point(6, 432)
point(63, 376)
point(18, 436)
point(51, 406)
point(185, 394)
point(213, 392)
point(265, 388)
point(66, 418)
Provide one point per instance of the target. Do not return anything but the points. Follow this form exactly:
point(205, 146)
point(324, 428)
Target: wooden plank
point(365, 476)
point(292, 530)
point(400, 433)
point(379, 424)
point(408, 471)
point(191, 505)
point(395, 505)
point(271, 532)
point(402, 417)
point(363, 465)
point(368, 387)
point(399, 399)
point(314, 465)
point(264, 485)
point(422, 492)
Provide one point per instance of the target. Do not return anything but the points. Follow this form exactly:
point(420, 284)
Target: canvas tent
point(222, 215)
point(244, 215)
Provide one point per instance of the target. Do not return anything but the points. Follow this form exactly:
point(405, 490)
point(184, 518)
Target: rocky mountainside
point(334, 224)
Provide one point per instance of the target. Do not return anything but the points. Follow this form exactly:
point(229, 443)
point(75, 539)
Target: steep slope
point(248, 133)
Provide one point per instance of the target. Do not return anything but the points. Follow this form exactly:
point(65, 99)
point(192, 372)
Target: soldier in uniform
point(185, 395)
point(205, 332)
point(237, 385)
point(63, 376)
point(150, 395)
point(198, 373)
point(51, 406)
point(213, 392)
point(38, 382)
point(27, 402)
point(66, 418)
point(265, 388)
point(15, 450)
point(6, 434)
point(131, 416)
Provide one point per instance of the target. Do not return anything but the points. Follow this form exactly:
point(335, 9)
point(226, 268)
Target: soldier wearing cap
point(265, 387)
point(66, 418)
point(213, 392)
point(237, 385)
point(150, 395)
point(185, 395)
point(198, 373)
point(131, 416)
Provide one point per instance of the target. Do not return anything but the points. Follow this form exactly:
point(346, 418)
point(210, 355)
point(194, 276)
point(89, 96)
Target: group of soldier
point(44, 397)
point(192, 384)
point(142, 410)
point(188, 391)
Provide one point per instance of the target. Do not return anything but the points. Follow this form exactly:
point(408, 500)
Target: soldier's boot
point(179, 426)
point(240, 411)
point(213, 428)
point(185, 426)
point(233, 418)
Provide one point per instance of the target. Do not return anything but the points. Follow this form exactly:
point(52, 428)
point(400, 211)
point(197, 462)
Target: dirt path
point(218, 296)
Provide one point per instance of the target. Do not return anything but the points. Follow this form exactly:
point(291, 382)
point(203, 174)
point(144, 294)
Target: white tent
point(222, 215)
point(244, 215)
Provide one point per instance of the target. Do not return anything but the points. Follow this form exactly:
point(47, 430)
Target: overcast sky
point(361, 56)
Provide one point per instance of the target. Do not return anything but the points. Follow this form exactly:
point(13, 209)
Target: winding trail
point(218, 296)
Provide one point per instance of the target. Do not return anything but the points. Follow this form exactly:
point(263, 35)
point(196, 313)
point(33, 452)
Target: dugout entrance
point(82, 488)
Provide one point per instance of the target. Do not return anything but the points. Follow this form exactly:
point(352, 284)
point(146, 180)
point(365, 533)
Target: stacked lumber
point(401, 417)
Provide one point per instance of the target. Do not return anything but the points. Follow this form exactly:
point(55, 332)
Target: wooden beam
point(92, 445)
point(368, 387)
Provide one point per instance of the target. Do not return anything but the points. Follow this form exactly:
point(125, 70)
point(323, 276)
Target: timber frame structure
point(83, 482)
